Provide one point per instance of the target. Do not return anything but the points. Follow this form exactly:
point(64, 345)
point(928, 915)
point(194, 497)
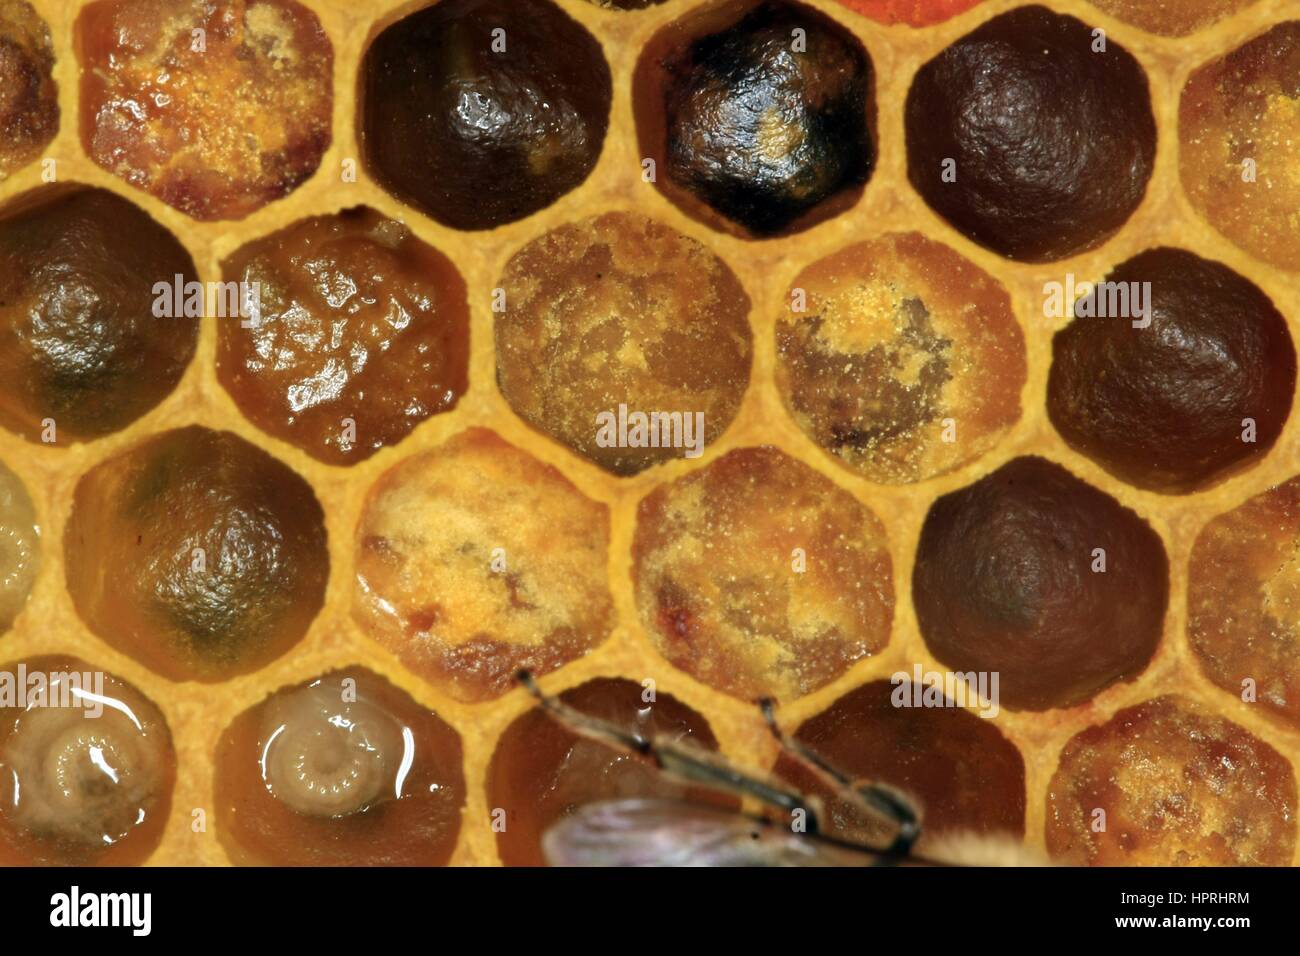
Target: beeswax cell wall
point(281, 141)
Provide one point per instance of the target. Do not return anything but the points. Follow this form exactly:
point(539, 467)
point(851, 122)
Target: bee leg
point(876, 799)
point(585, 725)
point(895, 805)
point(688, 764)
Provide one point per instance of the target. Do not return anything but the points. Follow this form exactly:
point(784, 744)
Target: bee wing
point(643, 831)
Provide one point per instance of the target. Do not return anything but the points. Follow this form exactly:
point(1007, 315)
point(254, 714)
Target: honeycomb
point(1186, 768)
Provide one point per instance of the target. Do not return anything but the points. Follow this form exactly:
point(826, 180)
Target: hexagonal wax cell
point(1238, 123)
point(91, 763)
point(541, 770)
point(900, 358)
point(1036, 575)
point(342, 770)
point(1176, 787)
point(1194, 386)
point(759, 117)
point(993, 135)
point(481, 112)
point(1243, 600)
point(958, 768)
point(760, 577)
point(619, 310)
point(84, 350)
point(216, 108)
point(1172, 19)
point(29, 97)
point(361, 333)
point(196, 553)
point(474, 560)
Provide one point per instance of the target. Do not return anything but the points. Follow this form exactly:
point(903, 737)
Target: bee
point(651, 831)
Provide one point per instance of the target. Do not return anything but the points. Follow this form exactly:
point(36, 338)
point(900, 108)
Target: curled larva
point(87, 766)
point(343, 770)
point(330, 751)
point(80, 779)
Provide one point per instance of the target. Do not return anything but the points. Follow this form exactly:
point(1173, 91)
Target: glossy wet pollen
point(469, 112)
point(82, 352)
point(761, 115)
point(361, 333)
